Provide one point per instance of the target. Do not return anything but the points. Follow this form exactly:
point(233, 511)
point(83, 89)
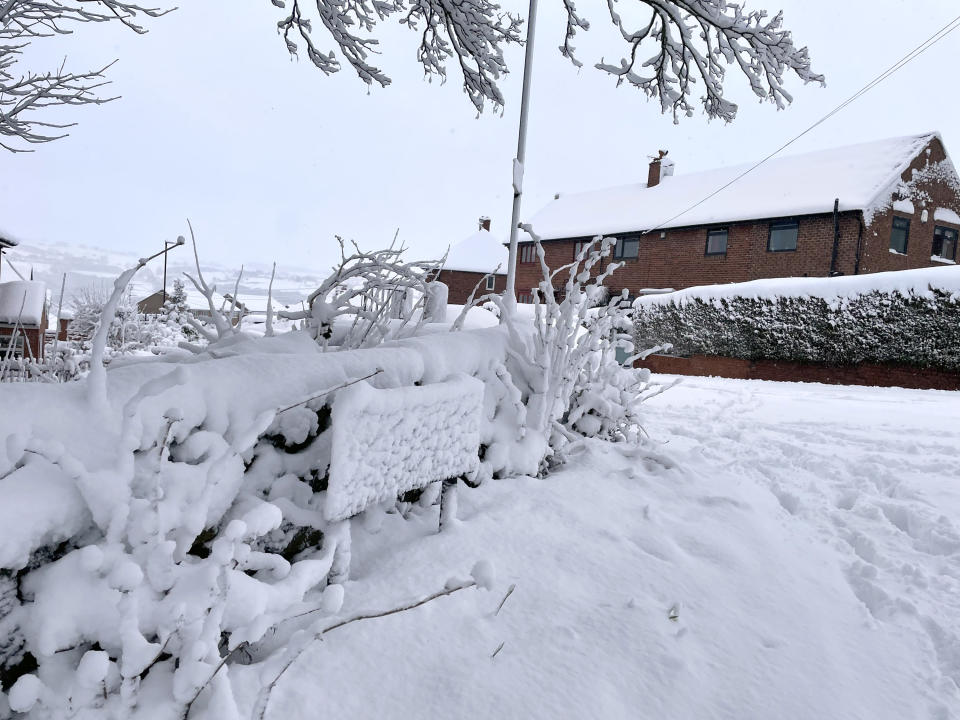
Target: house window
point(900, 235)
point(526, 298)
point(945, 243)
point(628, 248)
point(717, 242)
point(578, 247)
point(491, 282)
point(528, 253)
point(783, 236)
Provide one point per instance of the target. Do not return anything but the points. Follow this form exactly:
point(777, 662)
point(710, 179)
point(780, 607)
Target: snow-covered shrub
point(566, 366)
point(905, 318)
point(87, 306)
point(370, 297)
point(170, 529)
point(176, 314)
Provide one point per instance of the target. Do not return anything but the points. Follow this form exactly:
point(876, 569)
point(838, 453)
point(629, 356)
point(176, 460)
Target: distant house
point(248, 305)
point(887, 205)
point(23, 317)
point(152, 304)
point(472, 261)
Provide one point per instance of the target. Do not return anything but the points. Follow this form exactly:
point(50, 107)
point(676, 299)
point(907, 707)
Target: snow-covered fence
point(899, 318)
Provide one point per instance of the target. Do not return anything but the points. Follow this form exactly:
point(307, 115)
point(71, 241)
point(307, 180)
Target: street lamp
point(510, 292)
point(167, 246)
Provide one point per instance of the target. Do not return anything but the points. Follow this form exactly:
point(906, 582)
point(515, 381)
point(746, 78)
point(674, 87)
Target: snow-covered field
point(788, 551)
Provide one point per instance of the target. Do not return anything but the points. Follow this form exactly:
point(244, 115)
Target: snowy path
point(794, 553)
point(876, 473)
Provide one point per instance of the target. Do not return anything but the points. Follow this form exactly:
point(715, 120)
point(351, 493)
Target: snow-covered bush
point(905, 318)
point(565, 364)
point(175, 514)
point(369, 297)
point(125, 326)
point(171, 528)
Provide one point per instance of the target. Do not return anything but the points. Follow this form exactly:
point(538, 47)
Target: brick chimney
point(485, 223)
point(657, 167)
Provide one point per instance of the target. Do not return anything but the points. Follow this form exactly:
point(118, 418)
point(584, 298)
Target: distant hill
point(87, 266)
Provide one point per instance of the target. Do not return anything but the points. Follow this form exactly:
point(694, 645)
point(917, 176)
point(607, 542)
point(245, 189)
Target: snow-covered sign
point(387, 442)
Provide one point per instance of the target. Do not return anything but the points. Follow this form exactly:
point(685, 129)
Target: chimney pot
point(485, 223)
point(657, 167)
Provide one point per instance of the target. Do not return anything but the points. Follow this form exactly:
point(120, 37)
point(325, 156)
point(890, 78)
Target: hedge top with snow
point(918, 283)
point(910, 317)
point(863, 177)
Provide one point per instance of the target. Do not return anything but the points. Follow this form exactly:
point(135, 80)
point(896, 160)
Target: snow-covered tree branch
point(473, 32)
point(24, 94)
point(363, 298)
point(698, 39)
point(681, 45)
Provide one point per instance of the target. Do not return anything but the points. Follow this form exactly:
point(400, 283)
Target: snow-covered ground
point(788, 551)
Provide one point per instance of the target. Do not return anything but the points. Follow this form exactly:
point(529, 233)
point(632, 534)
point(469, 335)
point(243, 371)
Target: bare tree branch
point(24, 95)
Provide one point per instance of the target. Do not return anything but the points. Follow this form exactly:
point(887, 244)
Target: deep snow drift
point(790, 551)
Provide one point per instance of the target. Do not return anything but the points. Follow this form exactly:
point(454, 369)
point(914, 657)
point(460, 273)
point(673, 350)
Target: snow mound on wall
point(30, 295)
point(794, 185)
point(946, 215)
point(41, 506)
point(386, 442)
point(904, 282)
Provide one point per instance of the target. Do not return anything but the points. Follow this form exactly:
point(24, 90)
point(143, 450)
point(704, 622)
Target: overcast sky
point(270, 158)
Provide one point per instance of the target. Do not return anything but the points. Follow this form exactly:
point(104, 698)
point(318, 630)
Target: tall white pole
point(510, 293)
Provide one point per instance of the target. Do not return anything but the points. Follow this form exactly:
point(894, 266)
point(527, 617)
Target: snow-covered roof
point(481, 252)
point(862, 177)
point(24, 299)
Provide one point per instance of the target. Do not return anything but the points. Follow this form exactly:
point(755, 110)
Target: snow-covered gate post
point(389, 442)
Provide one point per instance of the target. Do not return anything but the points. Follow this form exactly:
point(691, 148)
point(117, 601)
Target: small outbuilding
point(480, 259)
point(23, 317)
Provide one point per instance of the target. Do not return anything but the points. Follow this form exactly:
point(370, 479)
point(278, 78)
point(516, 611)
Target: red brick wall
point(872, 375)
point(34, 338)
point(933, 194)
point(461, 284)
point(678, 259)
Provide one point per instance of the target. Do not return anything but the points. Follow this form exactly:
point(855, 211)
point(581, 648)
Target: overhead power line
point(905, 60)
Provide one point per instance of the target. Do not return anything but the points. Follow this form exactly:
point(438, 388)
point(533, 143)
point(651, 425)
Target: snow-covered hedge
point(145, 540)
point(910, 317)
point(162, 521)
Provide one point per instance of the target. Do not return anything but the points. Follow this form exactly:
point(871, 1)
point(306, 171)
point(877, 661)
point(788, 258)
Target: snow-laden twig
point(97, 379)
point(324, 393)
point(263, 701)
point(268, 331)
point(13, 338)
point(509, 593)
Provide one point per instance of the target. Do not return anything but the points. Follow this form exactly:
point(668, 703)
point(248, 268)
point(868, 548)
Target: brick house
point(472, 261)
point(887, 205)
point(23, 317)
